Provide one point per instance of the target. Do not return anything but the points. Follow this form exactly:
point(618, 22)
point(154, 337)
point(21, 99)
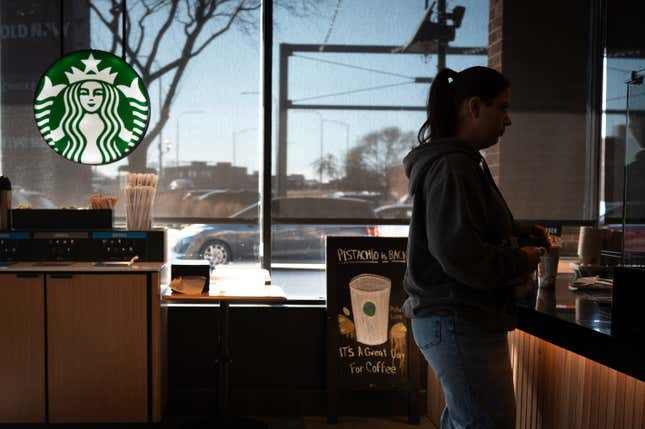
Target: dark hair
point(449, 90)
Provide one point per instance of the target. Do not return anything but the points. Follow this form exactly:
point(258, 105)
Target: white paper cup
point(589, 245)
point(547, 272)
point(370, 296)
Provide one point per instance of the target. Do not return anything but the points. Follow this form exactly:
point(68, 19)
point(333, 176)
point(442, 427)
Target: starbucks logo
point(91, 107)
point(369, 308)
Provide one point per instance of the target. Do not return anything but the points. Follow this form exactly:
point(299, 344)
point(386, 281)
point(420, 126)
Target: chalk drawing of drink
point(370, 296)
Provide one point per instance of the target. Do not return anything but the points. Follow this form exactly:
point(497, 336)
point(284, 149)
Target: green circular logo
point(91, 107)
point(369, 308)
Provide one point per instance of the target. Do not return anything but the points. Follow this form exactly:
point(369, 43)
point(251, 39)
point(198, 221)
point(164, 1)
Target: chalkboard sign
point(369, 339)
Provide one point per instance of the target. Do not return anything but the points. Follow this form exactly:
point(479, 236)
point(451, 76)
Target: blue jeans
point(474, 368)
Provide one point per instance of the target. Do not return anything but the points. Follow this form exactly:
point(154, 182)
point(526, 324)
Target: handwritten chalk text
point(371, 256)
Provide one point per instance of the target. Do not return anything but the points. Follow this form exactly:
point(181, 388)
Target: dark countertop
point(79, 267)
point(581, 322)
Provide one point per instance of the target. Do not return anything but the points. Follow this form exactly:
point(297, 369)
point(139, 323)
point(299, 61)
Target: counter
point(581, 322)
point(569, 369)
point(82, 343)
point(81, 267)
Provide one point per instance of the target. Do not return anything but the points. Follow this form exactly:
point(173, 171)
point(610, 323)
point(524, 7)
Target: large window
point(350, 97)
point(199, 61)
point(350, 82)
point(350, 89)
point(617, 73)
point(347, 109)
point(624, 54)
point(197, 64)
point(623, 182)
point(31, 41)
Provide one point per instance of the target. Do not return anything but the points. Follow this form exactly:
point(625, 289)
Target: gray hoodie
point(461, 252)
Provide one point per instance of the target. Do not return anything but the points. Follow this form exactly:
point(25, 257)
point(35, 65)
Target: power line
point(354, 91)
point(615, 98)
point(353, 66)
point(618, 69)
point(622, 97)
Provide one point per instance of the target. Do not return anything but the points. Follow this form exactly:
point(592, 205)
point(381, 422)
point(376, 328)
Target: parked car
point(35, 200)
point(372, 197)
point(180, 184)
point(293, 242)
point(394, 211)
point(225, 195)
point(196, 194)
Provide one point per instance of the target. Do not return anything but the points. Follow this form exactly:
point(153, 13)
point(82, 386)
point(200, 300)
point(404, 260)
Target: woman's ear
point(473, 107)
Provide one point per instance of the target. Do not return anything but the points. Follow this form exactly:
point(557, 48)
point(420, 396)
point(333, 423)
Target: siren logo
point(91, 107)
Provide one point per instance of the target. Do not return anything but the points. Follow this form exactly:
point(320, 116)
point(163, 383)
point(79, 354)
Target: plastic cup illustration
point(370, 296)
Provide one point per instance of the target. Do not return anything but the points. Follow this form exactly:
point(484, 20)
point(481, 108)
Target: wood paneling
point(558, 389)
point(22, 349)
point(159, 320)
point(97, 343)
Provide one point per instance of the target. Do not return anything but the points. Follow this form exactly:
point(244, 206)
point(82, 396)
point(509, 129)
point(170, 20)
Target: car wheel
point(216, 252)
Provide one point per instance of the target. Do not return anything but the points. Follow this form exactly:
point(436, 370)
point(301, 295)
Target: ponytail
point(448, 92)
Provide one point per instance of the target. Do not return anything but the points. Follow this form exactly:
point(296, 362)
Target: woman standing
point(464, 264)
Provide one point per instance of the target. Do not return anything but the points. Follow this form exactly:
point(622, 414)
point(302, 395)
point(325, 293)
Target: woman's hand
point(534, 254)
point(535, 235)
point(524, 289)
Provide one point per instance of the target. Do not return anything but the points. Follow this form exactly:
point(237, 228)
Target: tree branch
point(128, 32)
point(213, 36)
point(113, 26)
point(191, 15)
point(160, 35)
point(202, 21)
point(148, 12)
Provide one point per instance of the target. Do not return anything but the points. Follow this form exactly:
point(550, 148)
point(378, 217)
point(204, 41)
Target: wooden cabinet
point(22, 345)
point(97, 348)
point(81, 347)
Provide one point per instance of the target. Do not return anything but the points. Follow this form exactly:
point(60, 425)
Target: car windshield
point(21, 197)
point(397, 211)
point(41, 202)
point(312, 207)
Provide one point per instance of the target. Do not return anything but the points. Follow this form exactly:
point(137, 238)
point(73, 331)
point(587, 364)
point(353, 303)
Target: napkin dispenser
point(191, 267)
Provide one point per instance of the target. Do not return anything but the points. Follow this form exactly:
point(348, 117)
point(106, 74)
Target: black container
point(60, 220)
point(191, 267)
point(5, 203)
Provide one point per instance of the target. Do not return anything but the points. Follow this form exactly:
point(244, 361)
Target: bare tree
point(367, 164)
point(327, 165)
point(201, 23)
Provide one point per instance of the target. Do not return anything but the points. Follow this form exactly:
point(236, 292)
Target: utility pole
point(160, 132)
point(442, 43)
